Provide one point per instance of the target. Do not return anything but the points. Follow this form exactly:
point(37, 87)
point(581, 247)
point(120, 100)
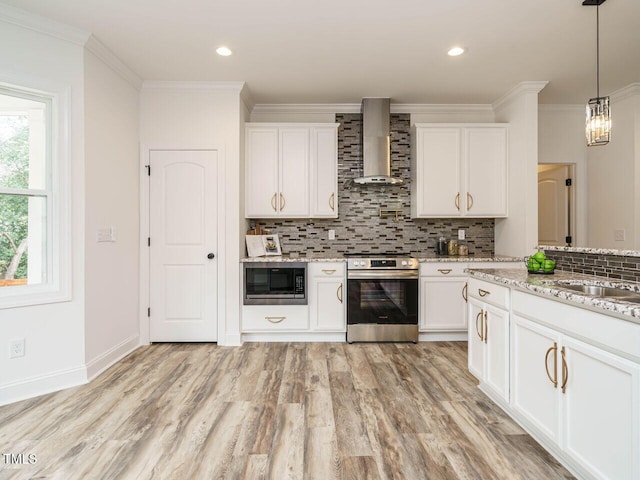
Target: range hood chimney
point(376, 143)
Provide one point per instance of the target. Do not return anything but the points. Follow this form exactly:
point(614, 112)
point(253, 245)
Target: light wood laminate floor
point(276, 411)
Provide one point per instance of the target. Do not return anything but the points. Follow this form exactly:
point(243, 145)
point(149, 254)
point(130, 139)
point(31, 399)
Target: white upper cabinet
point(291, 170)
point(459, 170)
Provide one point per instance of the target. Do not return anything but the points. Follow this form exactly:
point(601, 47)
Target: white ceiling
point(338, 51)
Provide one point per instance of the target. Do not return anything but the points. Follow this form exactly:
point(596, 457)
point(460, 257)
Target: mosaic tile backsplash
point(359, 227)
point(617, 267)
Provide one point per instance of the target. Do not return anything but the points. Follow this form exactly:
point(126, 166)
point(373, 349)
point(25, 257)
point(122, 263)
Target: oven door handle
point(384, 274)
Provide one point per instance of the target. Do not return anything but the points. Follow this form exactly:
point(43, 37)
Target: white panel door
point(293, 198)
point(443, 307)
point(537, 376)
point(601, 392)
point(261, 185)
point(438, 172)
point(496, 332)
point(486, 172)
point(553, 204)
point(324, 176)
point(183, 229)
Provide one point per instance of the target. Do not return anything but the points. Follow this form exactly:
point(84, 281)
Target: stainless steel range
point(382, 298)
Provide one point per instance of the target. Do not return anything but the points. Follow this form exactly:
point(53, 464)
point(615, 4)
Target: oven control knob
point(404, 263)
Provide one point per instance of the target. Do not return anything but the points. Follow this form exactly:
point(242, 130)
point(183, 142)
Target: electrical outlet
point(332, 234)
point(16, 348)
point(461, 234)
point(619, 235)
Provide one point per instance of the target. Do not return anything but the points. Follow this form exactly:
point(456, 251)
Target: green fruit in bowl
point(548, 265)
point(539, 257)
point(533, 265)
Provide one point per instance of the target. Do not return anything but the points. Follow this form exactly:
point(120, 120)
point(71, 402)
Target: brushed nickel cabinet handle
point(339, 293)
point(479, 330)
point(273, 202)
point(282, 202)
point(328, 271)
point(444, 271)
point(275, 319)
point(469, 201)
point(483, 293)
point(464, 292)
point(332, 202)
point(457, 201)
point(565, 371)
point(486, 327)
point(553, 349)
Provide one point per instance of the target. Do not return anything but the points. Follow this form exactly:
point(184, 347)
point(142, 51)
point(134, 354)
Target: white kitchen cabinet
point(488, 327)
point(583, 399)
point(459, 170)
point(275, 318)
point(291, 170)
point(443, 297)
point(324, 172)
point(327, 302)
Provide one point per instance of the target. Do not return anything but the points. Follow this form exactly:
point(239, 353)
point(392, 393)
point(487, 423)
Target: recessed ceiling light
point(455, 51)
point(224, 51)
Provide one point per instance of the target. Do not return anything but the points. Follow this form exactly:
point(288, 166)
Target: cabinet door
point(293, 197)
point(485, 154)
point(327, 304)
point(442, 305)
point(496, 331)
point(324, 172)
point(476, 338)
point(601, 412)
point(536, 376)
point(437, 173)
point(261, 187)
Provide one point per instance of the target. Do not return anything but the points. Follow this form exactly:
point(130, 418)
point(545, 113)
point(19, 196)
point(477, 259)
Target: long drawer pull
point(464, 292)
point(457, 201)
point(565, 371)
point(553, 349)
point(332, 202)
point(483, 293)
point(328, 271)
point(444, 271)
point(479, 330)
point(273, 202)
point(486, 327)
point(275, 319)
point(469, 201)
point(282, 202)
point(339, 293)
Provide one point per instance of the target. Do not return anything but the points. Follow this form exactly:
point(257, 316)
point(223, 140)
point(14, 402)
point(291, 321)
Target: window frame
point(56, 287)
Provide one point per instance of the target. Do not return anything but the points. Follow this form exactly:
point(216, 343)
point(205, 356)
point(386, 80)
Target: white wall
point(561, 139)
point(54, 333)
point(111, 200)
point(517, 235)
point(613, 201)
point(191, 115)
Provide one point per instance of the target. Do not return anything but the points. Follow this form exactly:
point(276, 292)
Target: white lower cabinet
point(275, 318)
point(327, 301)
point(443, 297)
point(489, 346)
point(583, 399)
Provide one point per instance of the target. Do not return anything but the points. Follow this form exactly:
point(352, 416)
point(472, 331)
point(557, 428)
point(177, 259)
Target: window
point(30, 213)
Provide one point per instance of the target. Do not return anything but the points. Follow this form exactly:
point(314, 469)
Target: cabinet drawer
point(266, 318)
point(444, 269)
point(327, 269)
point(490, 293)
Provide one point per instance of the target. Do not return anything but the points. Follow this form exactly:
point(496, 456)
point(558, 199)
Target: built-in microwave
point(275, 283)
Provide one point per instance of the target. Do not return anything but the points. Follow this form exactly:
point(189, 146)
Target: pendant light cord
point(598, 51)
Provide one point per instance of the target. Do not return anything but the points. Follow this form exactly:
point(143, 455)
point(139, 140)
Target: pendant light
point(598, 121)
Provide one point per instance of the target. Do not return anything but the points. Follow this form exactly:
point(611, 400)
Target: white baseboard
point(443, 337)
point(99, 364)
point(234, 340)
point(42, 384)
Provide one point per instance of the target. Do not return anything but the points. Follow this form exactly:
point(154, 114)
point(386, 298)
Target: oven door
point(382, 300)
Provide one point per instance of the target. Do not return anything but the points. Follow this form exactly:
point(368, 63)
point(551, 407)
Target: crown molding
point(519, 89)
point(412, 108)
point(195, 86)
point(625, 92)
point(43, 25)
point(98, 48)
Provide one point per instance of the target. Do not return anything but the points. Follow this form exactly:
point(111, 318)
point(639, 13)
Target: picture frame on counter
point(263, 245)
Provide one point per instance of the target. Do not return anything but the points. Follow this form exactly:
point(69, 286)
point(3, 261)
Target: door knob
point(210, 256)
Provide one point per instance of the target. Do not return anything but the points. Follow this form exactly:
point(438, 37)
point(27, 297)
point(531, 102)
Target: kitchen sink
point(608, 292)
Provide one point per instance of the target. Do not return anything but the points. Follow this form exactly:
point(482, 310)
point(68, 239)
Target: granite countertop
point(551, 286)
point(594, 251)
point(422, 258)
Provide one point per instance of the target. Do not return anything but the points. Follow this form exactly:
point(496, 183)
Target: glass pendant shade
point(598, 123)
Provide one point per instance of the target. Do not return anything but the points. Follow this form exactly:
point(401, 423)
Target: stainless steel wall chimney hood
point(376, 149)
